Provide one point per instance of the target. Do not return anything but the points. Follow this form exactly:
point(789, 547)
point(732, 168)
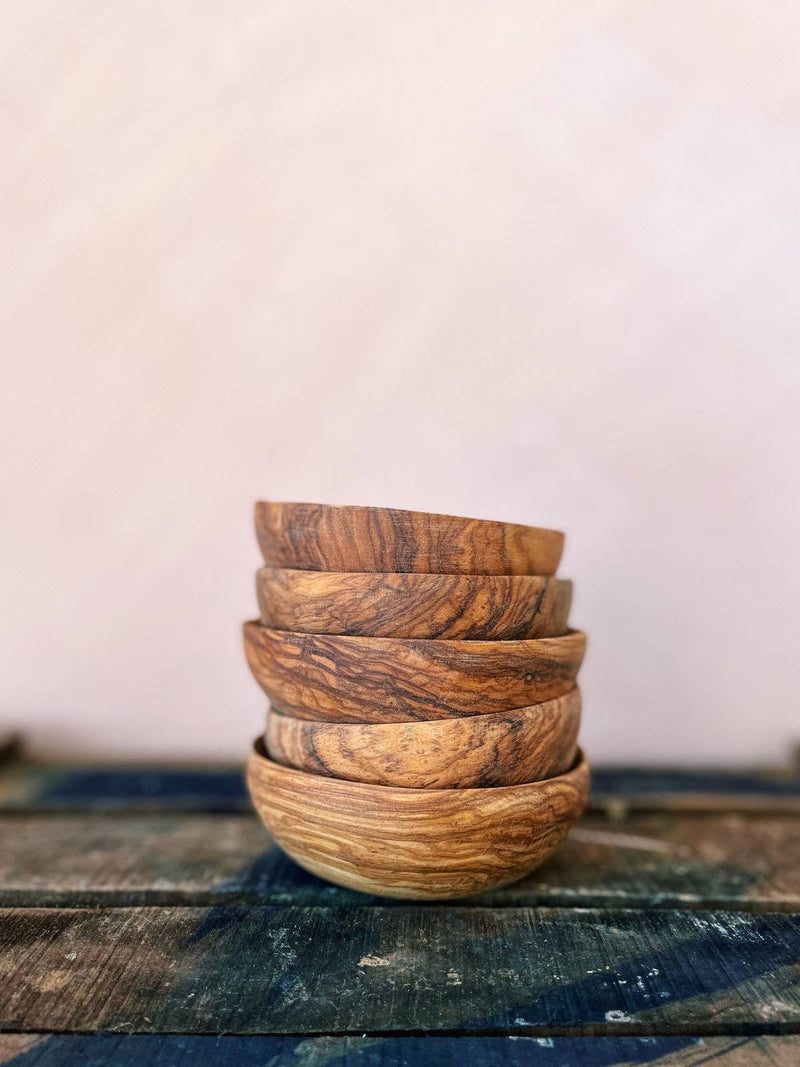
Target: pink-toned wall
point(534, 261)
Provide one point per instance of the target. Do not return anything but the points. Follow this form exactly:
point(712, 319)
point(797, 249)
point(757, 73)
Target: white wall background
point(533, 261)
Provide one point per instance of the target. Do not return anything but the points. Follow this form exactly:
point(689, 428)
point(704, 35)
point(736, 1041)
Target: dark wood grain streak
point(411, 969)
point(379, 679)
point(504, 748)
point(465, 606)
point(326, 538)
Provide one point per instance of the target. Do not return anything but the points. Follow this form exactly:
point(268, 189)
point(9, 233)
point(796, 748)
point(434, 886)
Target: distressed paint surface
point(353, 970)
point(679, 922)
point(650, 860)
point(180, 1050)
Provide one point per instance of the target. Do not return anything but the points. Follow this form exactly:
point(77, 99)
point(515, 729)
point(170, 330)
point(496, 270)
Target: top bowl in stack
point(321, 537)
point(425, 659)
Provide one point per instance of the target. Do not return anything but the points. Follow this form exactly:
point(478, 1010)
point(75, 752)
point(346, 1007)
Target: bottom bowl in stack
point(415, 843)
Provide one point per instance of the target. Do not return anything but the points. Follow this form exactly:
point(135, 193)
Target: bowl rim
point(579, 766)
point(405, 511)
point(450, 641)
point(574, 693)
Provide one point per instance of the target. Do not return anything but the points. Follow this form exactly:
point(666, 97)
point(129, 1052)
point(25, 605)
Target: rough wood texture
point(320, 537)
point(365, 1050)
point(413, 969)
point(343, 976)
point(504, 748)
point(466, 606)
point(725, 861)
point(415, 843)
point(381, 679)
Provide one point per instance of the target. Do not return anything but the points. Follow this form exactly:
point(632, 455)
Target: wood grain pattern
point(325, 538)
point(503, 748)
point(411, 968)
point(381, 679)
point(466, 606)
point(415, 843)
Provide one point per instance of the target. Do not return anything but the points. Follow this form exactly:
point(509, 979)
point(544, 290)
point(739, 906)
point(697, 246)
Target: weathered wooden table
point(146, 920)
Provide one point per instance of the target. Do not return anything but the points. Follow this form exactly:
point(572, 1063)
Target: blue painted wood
point(345, 969)
point(644, 781)
point(181, 1050)
point(212, 790)
point(414, 969)
point(222, 789)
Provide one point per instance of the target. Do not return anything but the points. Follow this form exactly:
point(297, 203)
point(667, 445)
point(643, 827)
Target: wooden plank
point(617, 790)
point(184, 1050)
point(44, 787)
point(411, 970)
point(668, 860)
point(674, 859)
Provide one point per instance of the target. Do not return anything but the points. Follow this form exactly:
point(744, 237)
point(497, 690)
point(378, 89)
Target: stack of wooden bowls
point(422, 738)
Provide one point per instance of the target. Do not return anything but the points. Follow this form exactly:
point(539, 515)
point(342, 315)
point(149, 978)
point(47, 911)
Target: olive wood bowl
point(321, 537)
point(418, 843)
point(384, 679)
point(503, 748)
point(464, 606)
